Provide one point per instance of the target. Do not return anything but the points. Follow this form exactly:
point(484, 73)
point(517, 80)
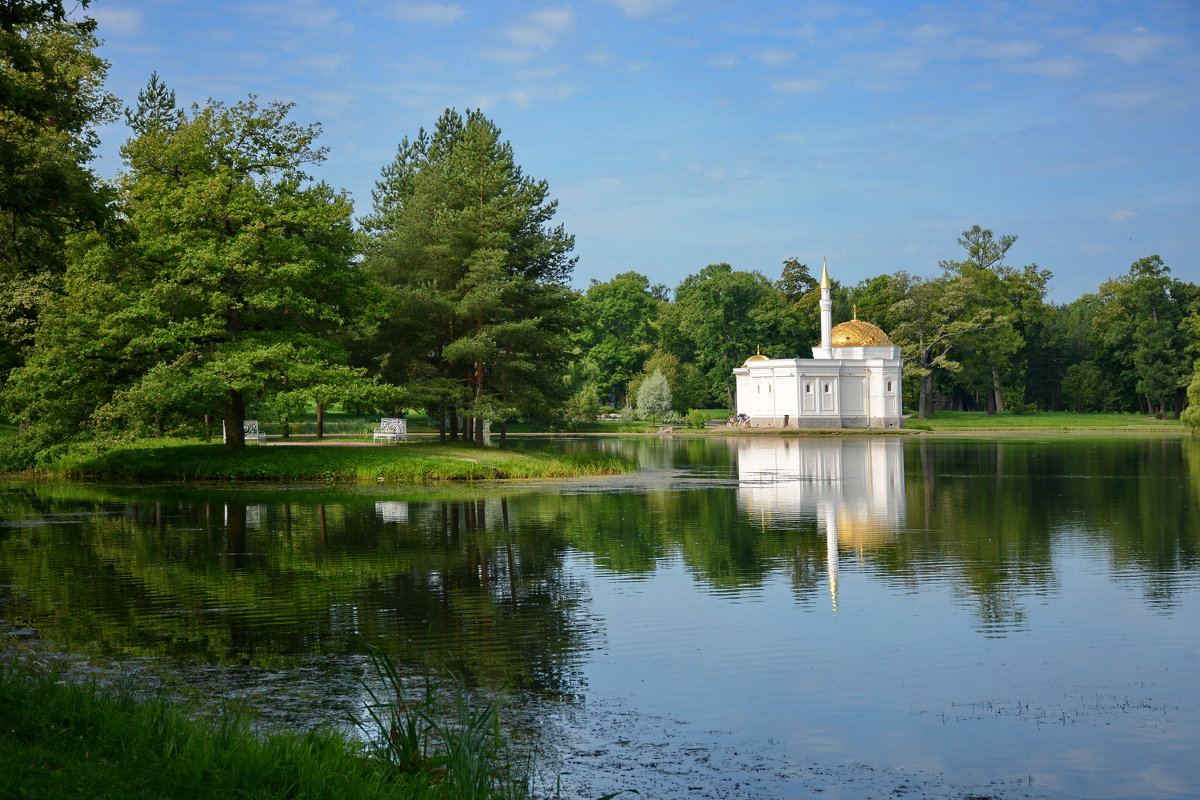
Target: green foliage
point(475, 276)
point(721, 316)
point(696, 418)
point(1140, 328)
point(1084, 388)
point(654, 397)
point(618, 330)
point(66, 740)
point(443, 736)
point(1191, 415)
point(51, 101)
point(583, 407)
point(155, 110)
point(226, 284)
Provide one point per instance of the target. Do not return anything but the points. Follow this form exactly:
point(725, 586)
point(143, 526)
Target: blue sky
point(679, 133)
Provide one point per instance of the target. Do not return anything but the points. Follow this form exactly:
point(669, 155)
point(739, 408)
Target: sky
point(680, 133)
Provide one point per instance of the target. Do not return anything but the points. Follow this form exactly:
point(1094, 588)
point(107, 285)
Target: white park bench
point(250, 431)
point(391, 430)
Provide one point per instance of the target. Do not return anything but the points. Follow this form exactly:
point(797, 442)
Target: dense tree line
point(214, 279)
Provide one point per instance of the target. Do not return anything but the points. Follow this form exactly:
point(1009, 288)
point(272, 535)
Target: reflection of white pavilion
point(853, 486)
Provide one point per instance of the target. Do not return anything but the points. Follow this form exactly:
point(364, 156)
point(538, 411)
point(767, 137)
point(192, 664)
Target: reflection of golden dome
point(861, 532)
point(856, 333)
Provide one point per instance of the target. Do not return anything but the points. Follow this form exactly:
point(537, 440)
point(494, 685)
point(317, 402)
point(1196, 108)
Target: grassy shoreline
point(63, 737)
point(410, 464)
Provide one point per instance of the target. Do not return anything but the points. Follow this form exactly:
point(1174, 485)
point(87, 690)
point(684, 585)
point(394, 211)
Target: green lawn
point(1039, 421)
point(412, 463)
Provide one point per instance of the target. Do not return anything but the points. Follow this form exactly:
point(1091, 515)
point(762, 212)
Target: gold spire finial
point(824, 274)
point(856, 310)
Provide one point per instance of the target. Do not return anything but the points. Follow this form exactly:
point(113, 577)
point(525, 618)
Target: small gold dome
point(856, 333)
point(755, 357)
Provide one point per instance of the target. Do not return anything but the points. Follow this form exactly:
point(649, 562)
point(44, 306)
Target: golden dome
point(755, 357)
point(856, 333)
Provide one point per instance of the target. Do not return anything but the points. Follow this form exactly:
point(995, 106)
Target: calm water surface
point(751, 617)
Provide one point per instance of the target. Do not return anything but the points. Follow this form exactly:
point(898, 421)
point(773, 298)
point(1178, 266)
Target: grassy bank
point(1041, 421)
point(61, 739)
point(414, 463)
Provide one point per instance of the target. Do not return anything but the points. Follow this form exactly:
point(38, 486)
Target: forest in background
point(214, 279)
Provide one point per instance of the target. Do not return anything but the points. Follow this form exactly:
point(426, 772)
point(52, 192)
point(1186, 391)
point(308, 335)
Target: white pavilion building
point(852, 380)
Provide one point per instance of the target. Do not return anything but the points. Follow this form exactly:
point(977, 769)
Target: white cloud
point(312, 14)
point(1131, 99)
point(117, 21)
point(439, 13)
point(807, 32)
point(1063, 68)
point(324, 62)
point(1011, 49)
point(526, 97)
point(799, 86)
point(642, 8)
point(542, 29)
point(1131, 47)
point(774, 56)
point(1123, 215)
point(722, 60)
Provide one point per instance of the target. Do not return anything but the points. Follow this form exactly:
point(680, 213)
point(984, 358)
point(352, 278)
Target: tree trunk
point(999, 401)
point(1162, 406)
point(235, 417)
point(1180, 401)
point(989, 402)
point(320, 421)
point(453, 415)
point(442, 424)
point(503, 431)
point(158, 426)
point(925, 402)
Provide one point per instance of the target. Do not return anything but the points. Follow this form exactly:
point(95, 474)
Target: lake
point(743, 617)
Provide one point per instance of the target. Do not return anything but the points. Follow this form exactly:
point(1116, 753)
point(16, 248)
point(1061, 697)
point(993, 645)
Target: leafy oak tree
point(51, 101)
point(226, 282)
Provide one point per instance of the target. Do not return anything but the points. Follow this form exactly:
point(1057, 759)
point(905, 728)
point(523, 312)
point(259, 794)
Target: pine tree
point(156, 109)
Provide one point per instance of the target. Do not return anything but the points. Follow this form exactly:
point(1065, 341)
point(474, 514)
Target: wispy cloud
point(722, 60)
point(799, 86)
point(534, 34)
point(774, 56)
point(642, 8)
point(439, 13)
point(311, 14)
point(117, 21)
point(1131, 47)
point(542, 29)
point(1123, 215)
point(1062, 68)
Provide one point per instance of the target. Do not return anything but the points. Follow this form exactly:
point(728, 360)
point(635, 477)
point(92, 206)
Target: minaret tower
point(826, 314)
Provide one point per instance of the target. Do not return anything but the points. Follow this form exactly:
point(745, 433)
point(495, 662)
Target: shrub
point(696, 418)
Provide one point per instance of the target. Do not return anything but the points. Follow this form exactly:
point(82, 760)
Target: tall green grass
point(174, 460)
point(60, 739)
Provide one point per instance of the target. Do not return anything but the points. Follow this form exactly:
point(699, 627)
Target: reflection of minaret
point(829, 516)
point(852, 487)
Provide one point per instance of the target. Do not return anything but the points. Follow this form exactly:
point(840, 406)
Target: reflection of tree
point(228, 582)
point(994, 512)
